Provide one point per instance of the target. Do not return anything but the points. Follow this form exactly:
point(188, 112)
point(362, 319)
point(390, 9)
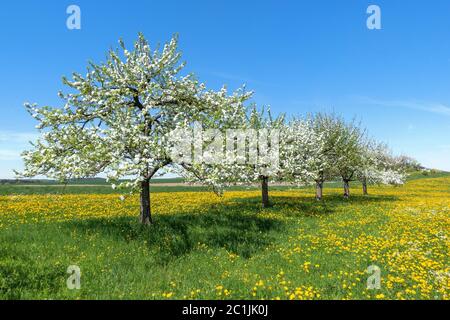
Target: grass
point(206, 247)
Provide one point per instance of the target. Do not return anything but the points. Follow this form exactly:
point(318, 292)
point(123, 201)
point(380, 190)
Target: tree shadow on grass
point(239, 225)
point(289, 206)
point(172, 236)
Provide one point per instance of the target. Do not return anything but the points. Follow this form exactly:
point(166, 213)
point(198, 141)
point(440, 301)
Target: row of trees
point(310, 150)
point(119, 119)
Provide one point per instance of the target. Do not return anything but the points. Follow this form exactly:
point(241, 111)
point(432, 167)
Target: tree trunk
point(346, 188)
point(319, 190)
point(145, 217)
point(265, 192)
point(364, 187)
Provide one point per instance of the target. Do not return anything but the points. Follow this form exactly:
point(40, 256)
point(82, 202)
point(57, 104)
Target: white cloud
point(17, 137)
point(438, 108)
point(432, 107)
point(6, 155)
point(12, 144)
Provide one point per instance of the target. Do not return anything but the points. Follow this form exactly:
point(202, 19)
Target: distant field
point(88, 181)
point(99, 186)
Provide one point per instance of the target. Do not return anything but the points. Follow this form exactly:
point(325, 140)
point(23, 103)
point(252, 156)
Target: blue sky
point(298, 56)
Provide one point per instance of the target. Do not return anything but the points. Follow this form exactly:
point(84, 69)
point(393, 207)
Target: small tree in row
point(379, 166)
point(324, 147)
point(306, 153)
point(248, 152)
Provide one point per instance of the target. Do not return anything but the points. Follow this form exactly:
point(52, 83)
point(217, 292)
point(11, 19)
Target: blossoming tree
point(378, 166)
point(348, 147)
point(304, 154)
point(116, 119)
point(269, 158)
point(247, 150)
point(327, 136)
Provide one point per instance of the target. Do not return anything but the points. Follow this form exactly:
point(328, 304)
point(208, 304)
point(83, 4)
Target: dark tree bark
point(364, 187)
point(265, 191)
point(319, 190)
point(346, 188)
point(146, 216)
